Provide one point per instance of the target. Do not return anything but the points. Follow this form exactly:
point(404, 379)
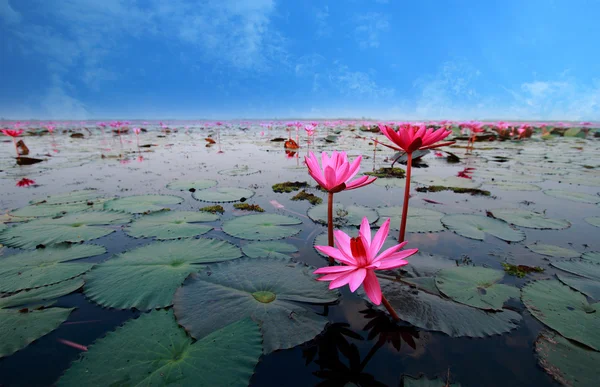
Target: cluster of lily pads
point(233, 308)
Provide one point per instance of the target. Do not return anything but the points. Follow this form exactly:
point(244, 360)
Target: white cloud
point(57, 103)
point(369, 27)
point(7, 14)
point(358, 84)
point(322, 21)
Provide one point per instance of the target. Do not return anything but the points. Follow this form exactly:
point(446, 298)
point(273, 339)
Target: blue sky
point(386, 59)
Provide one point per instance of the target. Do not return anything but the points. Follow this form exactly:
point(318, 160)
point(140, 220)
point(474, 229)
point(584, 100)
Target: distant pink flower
point(12, 133)
point(25, 182)
point(137, 130)
point(359, 258)
point(310, 129)
point(337, 172)
point(410, 137)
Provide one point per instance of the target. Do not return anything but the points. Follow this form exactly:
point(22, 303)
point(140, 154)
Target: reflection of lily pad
point(81, 196)
point(529, 219)
point(434, 313)
point(475, 286)
point(553, 251)
point(43, 296)
point(564, 310)
point(223, 194)
point(269, 249)
point(142, 203)
point(171, 225)
point(476, 226)
point(146, 277)
point(574, 196)
point(76, 227)
point(343, 216)
point(47, 266)
point(21, 329)
point(262, 227)
point(271, 291)
point(418, 219)
point(186, 185)
point(153, 350)
point(568, 363)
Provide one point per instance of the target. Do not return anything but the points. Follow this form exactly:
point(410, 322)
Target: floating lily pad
point(409, 381)
point(269, 249)
point(553, 251)
point(423, 264)
point(529, 219)
point(574, 196)
point(262, 226)
point(43, 296)
point(593, 256)
point(581, 268)
point(243, 170)
point(343, 216)
point(391, 182)
point(418, 219)
point(435, 313)
point(564, 310)
point(171, 225)
point(76, 227)
point(21, 329)
point(223, 194)
point(81, 196)
point(477, 226)
point(43, 267)
point(153, 350)
point(568, 363)
point(45, 210)
point(147, 277)
point(590, 288)
point(512, 186)
point(142, 203)
point(475, 286)
point(593, 220)
point(187, 185)
point(271, 291)
point(452, 181)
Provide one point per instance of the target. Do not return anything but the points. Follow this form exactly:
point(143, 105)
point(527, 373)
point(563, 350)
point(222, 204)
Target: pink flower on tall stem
point(360, 258)
point(335, 175)
point(410, 138)
point(14, 134)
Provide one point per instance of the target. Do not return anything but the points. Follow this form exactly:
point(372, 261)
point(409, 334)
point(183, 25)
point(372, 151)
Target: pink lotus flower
point(137, 130)
point(359, 258)
point(337, 172)
point(12, 133)
point(310, 130)
point(412, 137)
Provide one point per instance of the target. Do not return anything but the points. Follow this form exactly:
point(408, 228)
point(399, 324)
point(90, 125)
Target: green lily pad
point(21, 329)
point(153, 350)
point(553, 251)
point(390, 182)
point(243, 170)
point(45, 210)
point(262, 226)
point(409, 381)
point(269, 249)
point(418, 219)
point(76, 227)
point(223, 194)
point(434, 313)
point(42, 267)
point(423, 264)
point(477, 226)
point(568, 363)
point(590, 288)
point(44, 296)
point(140, 204)
point(186, 185)
point(581, 268)
point(171, 225)
point(593, 220)
point(512, 186)
point(529, 219)
point(475, 286)
point(452, 181)
point(574, 196)
point(147, 277)
point(81, 196)
point(343, 216)
point(271, 291)
point(593, 256)
point(564, 310)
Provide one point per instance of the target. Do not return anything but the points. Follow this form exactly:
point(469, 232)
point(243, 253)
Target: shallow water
point(500, 360)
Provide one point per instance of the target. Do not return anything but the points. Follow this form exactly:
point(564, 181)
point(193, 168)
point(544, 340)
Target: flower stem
point(406, 195)
point(330, 223)
point(389, 308)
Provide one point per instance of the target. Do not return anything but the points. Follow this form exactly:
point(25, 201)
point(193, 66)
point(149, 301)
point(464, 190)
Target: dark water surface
point(501, 360)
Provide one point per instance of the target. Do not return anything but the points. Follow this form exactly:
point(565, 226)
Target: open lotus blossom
point(12, 133)
point(337, 172)
point(25, 182)
point(411, 137)
point(360, 258)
